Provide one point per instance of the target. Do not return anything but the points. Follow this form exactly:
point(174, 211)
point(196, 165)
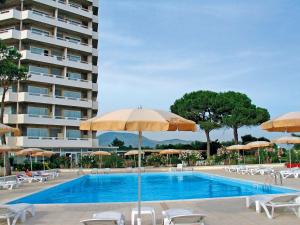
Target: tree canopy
point(202, 107)
point(10, 71)
point(238, 111)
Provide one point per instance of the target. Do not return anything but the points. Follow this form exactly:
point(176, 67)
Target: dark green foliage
point(203, 107)
point(249, 138)
point(238, 111)
point(117, 143)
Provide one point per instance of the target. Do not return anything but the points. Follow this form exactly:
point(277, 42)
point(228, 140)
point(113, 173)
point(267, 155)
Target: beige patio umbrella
point(6, 148)
point(138, 120)
point(100, 154)
point(289, 122)
point(133, 153)
point(29, 152)
point(7, 129)
point(238, 148)
point(257, 145)
point(169, 152)
point(43, 154)
point(287, 140)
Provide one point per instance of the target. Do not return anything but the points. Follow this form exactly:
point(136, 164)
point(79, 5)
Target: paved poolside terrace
point(226, 211)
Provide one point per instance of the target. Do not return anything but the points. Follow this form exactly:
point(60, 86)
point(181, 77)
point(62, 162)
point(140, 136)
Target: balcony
point(42, 120)
point(45, 18)
point(48, 142)
point(69, 7)
point(56, 60)
point(95, 35)
point(28, 34)
point(95, 52)
point(94, 69)
point(95, 87)
point(60, 80)
point(10, 14)
point(95, 105)
point(95, 19)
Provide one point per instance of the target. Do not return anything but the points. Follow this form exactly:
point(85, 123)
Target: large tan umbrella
point(287, 140)
point(100, 154)
point(29, 152)
point(257, 145)
point(289, 122)
point(139, 120)
point(6, 148)
point(238, 148)
point(43, 154)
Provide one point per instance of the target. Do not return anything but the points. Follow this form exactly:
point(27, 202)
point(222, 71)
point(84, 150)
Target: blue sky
point(154, 51)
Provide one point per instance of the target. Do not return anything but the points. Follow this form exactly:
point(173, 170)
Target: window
point(10, 110)
point(73, 133)
point(33, 110)
point(72, 113)
point(39, 31)
point(72, 94)
point(75, 58)
point(37, 50)
point(38, 69)
point(38, 90)
point(73, 40)
point(56, 71)
point(74, 75)
point(37, 132)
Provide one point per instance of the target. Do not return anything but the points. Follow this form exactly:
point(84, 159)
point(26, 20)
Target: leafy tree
point(203, 108)
point(10, 73)
point(117, 143)
point(238, 111)
point(2, 1)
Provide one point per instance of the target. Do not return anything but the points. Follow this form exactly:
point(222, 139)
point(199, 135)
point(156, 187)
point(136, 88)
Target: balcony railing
point(72, 23)
point(57, 138)
point(56, 117)
point(57, 76)
point(71, 98)
point(74, 5)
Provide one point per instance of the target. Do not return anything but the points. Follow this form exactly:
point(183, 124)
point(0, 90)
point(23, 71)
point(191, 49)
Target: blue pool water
point(155, 186)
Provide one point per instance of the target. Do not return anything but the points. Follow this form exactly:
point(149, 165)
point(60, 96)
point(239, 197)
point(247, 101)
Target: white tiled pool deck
point(229, 211)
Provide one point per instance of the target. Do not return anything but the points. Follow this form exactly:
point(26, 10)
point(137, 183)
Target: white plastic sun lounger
point(294, 173)
point(15, 212)
point(11, 184)
point(182, 216)
point(291, 201)
point(105, 218)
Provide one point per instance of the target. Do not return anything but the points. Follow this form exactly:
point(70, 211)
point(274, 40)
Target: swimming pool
point(155, 186)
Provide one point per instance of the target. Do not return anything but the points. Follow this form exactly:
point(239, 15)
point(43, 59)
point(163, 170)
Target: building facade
point(58, 40)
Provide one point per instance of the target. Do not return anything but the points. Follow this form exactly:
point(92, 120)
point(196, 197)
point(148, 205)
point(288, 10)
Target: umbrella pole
point(4, 164)
point(139, 222)
point(44, 162)
point(244, 157)
point(30, 162)
point(290, 156)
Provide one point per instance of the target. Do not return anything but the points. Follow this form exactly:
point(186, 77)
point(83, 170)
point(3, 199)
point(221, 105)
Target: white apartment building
point(58, 40)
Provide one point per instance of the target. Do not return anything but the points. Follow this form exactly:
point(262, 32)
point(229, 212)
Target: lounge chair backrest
point(8, 178)
point(187, 219)
point(4, 211)
point(99, 222)
point(285, 198)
